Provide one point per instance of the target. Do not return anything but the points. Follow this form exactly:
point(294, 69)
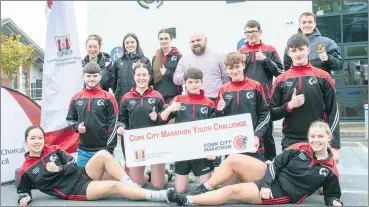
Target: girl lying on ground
point(294, 175)
point(55, 173)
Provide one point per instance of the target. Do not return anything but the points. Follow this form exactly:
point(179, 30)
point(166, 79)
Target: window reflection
point(356, 50)
point(330, 27)
point(355, 6)
point(355, 27)
point(324, 7)
point(355, 108)
point(340, 108)
point(356, 72)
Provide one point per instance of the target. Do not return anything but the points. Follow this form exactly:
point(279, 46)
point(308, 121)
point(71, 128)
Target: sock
point(156, 195)
point(127, 180)
point(189, 200)
point(207, 186)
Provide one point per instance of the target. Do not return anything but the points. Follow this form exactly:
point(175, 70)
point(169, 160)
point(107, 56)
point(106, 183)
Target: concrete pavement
point(353, 170)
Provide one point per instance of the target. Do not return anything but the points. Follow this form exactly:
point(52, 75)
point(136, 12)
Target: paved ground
point(353, 170)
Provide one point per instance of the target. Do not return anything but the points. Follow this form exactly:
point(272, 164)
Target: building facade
point(223, 22)
point(28, 79)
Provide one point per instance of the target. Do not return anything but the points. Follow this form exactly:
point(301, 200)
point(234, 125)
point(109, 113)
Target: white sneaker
point(191, 178)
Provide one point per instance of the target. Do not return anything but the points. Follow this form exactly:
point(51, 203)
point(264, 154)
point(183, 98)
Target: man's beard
point(200, 52)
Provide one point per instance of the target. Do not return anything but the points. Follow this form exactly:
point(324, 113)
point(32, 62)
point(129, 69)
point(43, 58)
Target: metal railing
point(33, 93)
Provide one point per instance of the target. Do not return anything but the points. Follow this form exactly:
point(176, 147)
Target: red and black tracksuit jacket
point(34, 173)
point(262, 71)
point(320, 103)
point(243, 97)
point(298, 172)
point(193, 108)
point(166, 86)
point(134, 108)
point(98, 110)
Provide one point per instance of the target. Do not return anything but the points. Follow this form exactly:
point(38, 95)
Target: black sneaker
point(170, 175)
point(181, 199)
point(171, 195)
point(199, 190)
point(149, 174)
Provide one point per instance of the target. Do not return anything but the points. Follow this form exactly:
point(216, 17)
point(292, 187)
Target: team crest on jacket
point(204, 110)
point(100, 102)
point(53, 157)
point(63, 45)
point(250, 95)
point(323, 171)
point(151, 101)
point(320, 48)
point(174, 58)
point(313, 80)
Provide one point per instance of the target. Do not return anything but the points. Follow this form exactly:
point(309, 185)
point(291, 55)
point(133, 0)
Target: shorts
point(258, 155)
point(79, 191)
point(84, 156)
point(279, 195)
point(199, 167)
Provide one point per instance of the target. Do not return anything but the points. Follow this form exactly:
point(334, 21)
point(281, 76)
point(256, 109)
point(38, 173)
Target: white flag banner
point(62, 74)
point(189, 140)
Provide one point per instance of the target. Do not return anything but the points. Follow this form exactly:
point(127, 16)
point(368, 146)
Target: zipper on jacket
point(89, 105)
point(253, 55)
point(300, 84)
point(193, 110)
point(238, 98)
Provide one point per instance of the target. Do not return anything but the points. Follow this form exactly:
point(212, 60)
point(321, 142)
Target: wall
point(223, 23)
point(35, 73)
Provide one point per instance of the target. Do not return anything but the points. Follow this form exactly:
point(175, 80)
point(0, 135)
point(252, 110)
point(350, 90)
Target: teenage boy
point(192, 106)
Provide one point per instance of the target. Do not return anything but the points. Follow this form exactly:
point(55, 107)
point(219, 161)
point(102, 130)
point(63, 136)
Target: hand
point(153, 115)
point(323, 55)
point(24, 201)
point(336, 154)
point(107, 63)
point(257, 143)
point(244, 58)
point(81, 128)
point(163, 70)
point(259, 55)
point(266, 193)
point(296, 101)
point(52, 167)
point(175, 106)
point(221, 104)
point(336, 203)
point(121, 131)
point(211, 157)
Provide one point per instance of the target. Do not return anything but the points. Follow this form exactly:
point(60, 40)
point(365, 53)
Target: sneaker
point(170, 175)
point(149, 174)
point(199, 190)
point(173, 197)
point(191, 178)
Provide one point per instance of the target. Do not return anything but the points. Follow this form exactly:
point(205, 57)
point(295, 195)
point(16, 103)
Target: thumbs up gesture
point(221, 104)
point(259, 55)
point(323, 55)
point(296, 100)
point(153, 115)
point(81, 128)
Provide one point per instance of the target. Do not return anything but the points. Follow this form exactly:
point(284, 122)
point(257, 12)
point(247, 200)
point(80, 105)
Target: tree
point(14, 54)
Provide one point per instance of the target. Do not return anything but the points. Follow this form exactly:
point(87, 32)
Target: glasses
point(253, 32)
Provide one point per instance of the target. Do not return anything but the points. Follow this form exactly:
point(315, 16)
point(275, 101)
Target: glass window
point(355, 27)
point(355, 6)
point(324, 7)
point(24, 80)
point(14, 82)
point(354, 108)
point(341, 109)
point(356, 72)
point(174, 32)
point(330, 27)
point(356, 51)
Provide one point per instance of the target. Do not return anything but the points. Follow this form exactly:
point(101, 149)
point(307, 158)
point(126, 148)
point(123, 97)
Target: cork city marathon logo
point(240, 142)
point(145, 4)
point(63, 45)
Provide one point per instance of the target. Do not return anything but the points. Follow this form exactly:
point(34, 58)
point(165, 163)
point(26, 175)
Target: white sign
point(14, 121)
point(189, 140)
point(62, 75)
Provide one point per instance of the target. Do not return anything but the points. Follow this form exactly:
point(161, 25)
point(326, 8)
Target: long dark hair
point(31, 128)
point(139, 51)
point(159, 62)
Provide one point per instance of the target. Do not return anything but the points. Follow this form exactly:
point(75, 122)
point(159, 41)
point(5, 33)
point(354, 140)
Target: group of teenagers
point(149, 93)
